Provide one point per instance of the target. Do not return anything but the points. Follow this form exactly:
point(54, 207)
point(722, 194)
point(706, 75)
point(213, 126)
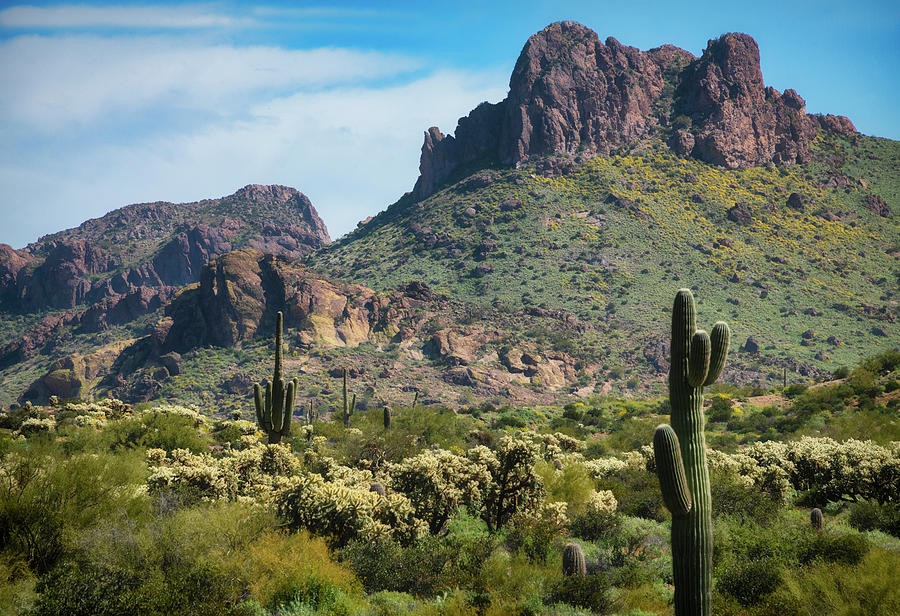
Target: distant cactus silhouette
point(573, 562)
point(273, 414)
point(387, 418)
point(680, 452)
point(347, 408)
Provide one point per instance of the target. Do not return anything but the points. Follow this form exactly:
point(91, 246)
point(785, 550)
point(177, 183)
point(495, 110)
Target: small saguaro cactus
point(680, 452)
point(274, 412)
point(387, 418)
point(573, 562)
point(816, 519)
point(348, 409)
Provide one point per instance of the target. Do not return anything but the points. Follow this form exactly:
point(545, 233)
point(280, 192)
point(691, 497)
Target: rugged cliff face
point(241, 291)
point(131, 261)
point(573, 95)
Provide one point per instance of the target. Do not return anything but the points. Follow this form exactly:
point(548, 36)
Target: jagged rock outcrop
point(737, 121)
point(241, 291)
point(573, 95)
point(13, 264)
point(180, 261)
point(63, 279)
point(97, 260)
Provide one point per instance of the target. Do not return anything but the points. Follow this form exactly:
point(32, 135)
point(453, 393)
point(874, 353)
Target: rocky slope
point(609, 177)
point(423, 338)
point(535, 259)
point(113, 269)
point(572, 95)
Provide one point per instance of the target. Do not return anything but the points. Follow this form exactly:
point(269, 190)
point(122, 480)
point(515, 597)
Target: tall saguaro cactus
point(680, 452)
point(274, 412)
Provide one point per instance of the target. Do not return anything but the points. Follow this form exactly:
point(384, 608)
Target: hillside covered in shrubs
point(107, 508)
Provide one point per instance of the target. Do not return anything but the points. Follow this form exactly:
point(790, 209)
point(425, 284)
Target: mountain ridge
point(129, 262)
point(573, 95)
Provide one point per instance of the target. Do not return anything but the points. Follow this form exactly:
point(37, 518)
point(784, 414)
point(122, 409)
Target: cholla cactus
point(344, 512)
point(573, 562)
point(680, 452)
point(250, 474)
point(602, 502)
point(514, 485)
point(438, 482)
point(274, 413)
point(34, 425)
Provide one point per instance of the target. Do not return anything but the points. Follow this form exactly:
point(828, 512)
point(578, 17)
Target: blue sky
point(105, 104)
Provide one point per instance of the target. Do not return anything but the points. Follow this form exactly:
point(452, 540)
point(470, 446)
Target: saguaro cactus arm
point(698, 362)
point(670, 469)
point(720, 337)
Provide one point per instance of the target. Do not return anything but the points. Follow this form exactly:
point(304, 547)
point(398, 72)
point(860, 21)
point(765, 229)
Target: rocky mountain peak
point(574, 95)
point(113, 269)
point(268, 193)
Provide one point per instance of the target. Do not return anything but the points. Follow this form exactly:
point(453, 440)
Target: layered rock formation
point(243, 290)
point(571, 94)
point(239, 294)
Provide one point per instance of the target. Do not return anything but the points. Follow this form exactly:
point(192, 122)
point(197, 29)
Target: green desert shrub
point(422, 568)
point(195, 561)
point(845, 549)
point(45, 498)
point(591, 592)
point(157, 430)
point(749, 581)
point(869, 588)
point(720, 408)
point(868, 515)
point(732, 496)
point(637, 492)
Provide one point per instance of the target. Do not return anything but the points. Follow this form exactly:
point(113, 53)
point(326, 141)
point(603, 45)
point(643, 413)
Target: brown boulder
point(682, 142)
point(741, 214)
point(835, 123)
point(878, 205)
point(452, 347)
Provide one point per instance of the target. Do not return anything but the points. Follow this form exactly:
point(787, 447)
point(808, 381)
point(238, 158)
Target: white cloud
point(51, 82)
point(353, 149)
point(86, 16)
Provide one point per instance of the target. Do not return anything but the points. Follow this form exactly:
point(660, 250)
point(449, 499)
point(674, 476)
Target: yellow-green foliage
point(509, 578)
point(45, 497)
point(670, 181)
point(868, 588)
point(281, 567)
point(572, 485)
